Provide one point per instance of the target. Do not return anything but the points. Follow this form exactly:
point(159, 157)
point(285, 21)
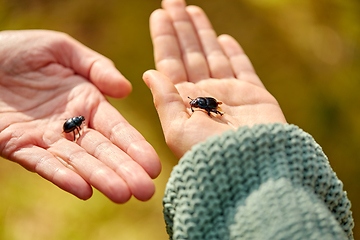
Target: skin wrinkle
point(42, 104)
point(133, 144)
point(97, 174)
point(168, 96)
point(71, 97)
point(50, 101)
point(63, 48)
point(91, 103)
point(245, 74)
point(111, 186)
point(62, 161)
point(24, 119)
point(170, 139)
point(167, 35)
point(238, 58)
point(167, 30)
point(164, 60)
point(16, 93)
point(124, 167)
point(215, 54)
point(60, 182)
point(88, 74)
point(196, 72)
point(63, 44)
point(190, 50)
point(42, 162)
point(120, 168)
point(248, 68)
point(169, 102)
point(191, 44)
point(208, 31)
point(241, 57)
point(160, 36)
point(181, 75)
point(8, 140)
point(92, 114)
point(34, 65)
point(55, 173)
point(99, 148)
point(73, 155)
point(166, 54)
point(113, 136)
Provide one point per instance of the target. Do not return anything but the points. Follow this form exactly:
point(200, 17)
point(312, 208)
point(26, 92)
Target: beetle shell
point(73, 124)
point(209, 104)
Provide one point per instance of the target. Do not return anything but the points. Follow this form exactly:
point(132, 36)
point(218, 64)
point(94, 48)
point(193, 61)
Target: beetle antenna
point(190, 98)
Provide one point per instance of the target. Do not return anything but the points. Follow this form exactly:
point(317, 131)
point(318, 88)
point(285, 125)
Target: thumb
point(167, 100)
point(108, 79)
point(97, 68)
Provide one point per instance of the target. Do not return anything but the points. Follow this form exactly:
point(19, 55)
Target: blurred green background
point(307, 53)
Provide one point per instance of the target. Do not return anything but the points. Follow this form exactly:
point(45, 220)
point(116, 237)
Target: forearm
point(269, 179)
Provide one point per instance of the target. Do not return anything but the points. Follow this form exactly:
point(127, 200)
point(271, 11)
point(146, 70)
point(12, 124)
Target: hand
point(193, 62)
point(47, 77)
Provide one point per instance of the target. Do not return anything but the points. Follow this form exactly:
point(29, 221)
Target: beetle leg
point(192, 109)
point(77, 128)
point(208, 111)
point(74, 135)
point(217, 112)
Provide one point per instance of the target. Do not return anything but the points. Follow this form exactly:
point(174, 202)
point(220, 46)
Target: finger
point(219, 64)
point(169, 104)
point(240, 62)
point(91, 65)
point(92, 170)
point(193, 57)
point(109, 122)
point(38, 160)
point(138, 181)
point(108, 79)
point(167, 53)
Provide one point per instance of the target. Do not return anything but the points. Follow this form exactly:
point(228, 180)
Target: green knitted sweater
point(266, 182)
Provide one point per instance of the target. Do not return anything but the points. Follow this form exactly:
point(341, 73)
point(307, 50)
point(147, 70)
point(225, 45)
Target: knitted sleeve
point(266, 182)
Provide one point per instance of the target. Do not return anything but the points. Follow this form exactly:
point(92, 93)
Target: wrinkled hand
point(193, 62)
point(47, 77)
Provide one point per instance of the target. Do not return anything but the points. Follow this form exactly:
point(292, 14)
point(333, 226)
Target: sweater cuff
point(218, 175)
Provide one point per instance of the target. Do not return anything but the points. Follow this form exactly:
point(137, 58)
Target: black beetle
point(207, 103)
point(73, 123)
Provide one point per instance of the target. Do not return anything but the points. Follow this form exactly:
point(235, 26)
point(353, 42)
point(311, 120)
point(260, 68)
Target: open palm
point(193, 62)
point(47, 77)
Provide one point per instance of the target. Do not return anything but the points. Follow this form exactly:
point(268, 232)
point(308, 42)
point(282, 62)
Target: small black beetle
point(207, 103)
point(73, 123)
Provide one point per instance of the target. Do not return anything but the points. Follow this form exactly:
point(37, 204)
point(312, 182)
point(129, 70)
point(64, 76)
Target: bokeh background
point(305, 51)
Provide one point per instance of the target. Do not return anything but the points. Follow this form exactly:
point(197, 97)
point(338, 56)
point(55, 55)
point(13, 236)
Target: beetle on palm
point(73, 124)
point(209, 104)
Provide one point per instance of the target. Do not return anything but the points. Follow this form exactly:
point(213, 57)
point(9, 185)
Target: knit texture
point(266, 182)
